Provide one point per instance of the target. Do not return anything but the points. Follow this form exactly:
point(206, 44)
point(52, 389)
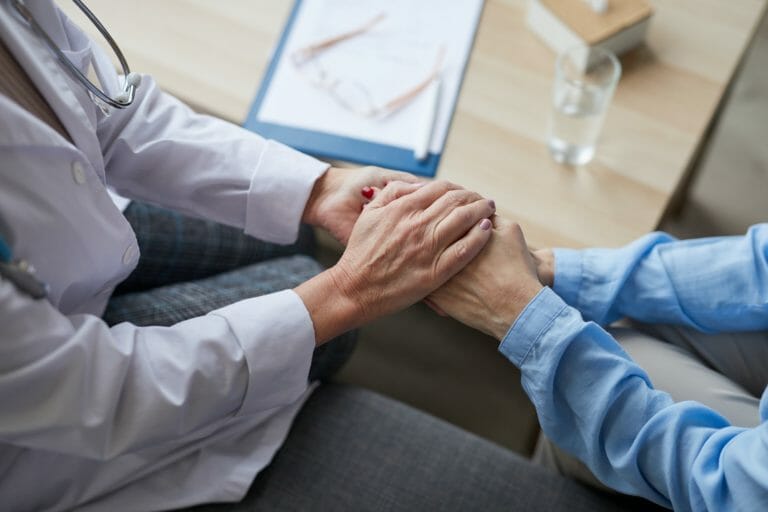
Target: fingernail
point(492, 203)
point(485, 224)
point(367, 192)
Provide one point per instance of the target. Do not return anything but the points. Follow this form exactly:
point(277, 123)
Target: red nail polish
point(367, 192)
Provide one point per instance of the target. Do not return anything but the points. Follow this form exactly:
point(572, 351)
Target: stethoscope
point(132, 80)
point(19, 272)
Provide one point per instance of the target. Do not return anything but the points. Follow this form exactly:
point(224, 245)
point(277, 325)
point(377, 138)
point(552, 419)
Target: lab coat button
point(78, 172)
point(129, 254)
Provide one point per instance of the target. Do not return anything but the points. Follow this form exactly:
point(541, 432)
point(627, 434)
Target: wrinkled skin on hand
point(407, 242)
point(336, 199)
point(492, 291)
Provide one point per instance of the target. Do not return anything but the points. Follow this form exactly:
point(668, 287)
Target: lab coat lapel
point(68, 99)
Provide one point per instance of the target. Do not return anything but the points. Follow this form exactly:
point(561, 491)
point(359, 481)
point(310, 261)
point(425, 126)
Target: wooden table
point(213, 54)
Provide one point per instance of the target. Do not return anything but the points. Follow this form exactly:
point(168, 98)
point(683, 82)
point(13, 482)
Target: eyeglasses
point(353, 95)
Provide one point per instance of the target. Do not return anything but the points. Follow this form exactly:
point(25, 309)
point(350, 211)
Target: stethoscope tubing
point(129, 88)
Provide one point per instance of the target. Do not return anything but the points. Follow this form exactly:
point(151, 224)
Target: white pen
point(427, 123)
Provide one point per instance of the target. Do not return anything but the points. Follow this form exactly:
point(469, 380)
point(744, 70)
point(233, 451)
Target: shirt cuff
point(279, 191)
point(569, 269)
point(531, 325)
point(278, 338)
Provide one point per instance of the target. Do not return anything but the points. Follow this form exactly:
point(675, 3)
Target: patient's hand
point(337, 199)
point(492, 291)
point(407, 242)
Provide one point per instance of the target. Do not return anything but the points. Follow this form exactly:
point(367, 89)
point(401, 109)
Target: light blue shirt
point(596, 403)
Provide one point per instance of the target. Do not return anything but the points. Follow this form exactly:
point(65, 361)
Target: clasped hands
point(417, 240)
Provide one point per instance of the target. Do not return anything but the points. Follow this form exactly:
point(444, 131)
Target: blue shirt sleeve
point(710, 284)
point(597, 404)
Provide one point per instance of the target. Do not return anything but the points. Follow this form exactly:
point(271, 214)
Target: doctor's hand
point(494, 289)
point(339, 195)
point(408, 241)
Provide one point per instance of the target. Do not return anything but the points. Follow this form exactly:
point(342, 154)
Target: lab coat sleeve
point(71, 384)
point(709, 284)
point(160, 151)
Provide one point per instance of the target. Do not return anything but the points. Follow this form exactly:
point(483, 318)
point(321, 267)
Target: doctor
point(116, 417)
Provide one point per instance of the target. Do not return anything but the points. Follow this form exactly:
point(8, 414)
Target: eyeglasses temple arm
point(306, 53)
point(399, 102)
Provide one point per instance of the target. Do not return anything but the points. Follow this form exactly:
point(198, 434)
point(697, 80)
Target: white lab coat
point(135, 418)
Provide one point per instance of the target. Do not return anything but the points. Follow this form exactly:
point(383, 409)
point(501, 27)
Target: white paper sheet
point(396, 54)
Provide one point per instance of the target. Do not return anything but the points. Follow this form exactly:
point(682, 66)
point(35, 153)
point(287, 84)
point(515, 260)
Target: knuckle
point(414, 224)
point(466, 216)
point(461, 250)
point(451, 185)
point(469, 197)
point(454, 198)
point(394, 190)
point(396, 186)
point(443, 185)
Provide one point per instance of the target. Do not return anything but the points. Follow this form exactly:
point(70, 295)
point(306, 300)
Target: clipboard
point(335, 146)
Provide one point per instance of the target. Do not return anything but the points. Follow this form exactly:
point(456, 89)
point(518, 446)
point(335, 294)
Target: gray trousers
point(349, 449)
point(354, 450)
point(727, 372)
point(189, 267)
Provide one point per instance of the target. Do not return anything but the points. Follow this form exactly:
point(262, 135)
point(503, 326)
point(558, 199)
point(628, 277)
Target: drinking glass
point(585, 79)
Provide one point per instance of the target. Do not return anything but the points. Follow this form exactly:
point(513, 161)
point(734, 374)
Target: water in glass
point(576, 122)
point(585, 79)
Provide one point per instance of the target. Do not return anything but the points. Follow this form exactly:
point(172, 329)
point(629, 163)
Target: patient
point(702, 442)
